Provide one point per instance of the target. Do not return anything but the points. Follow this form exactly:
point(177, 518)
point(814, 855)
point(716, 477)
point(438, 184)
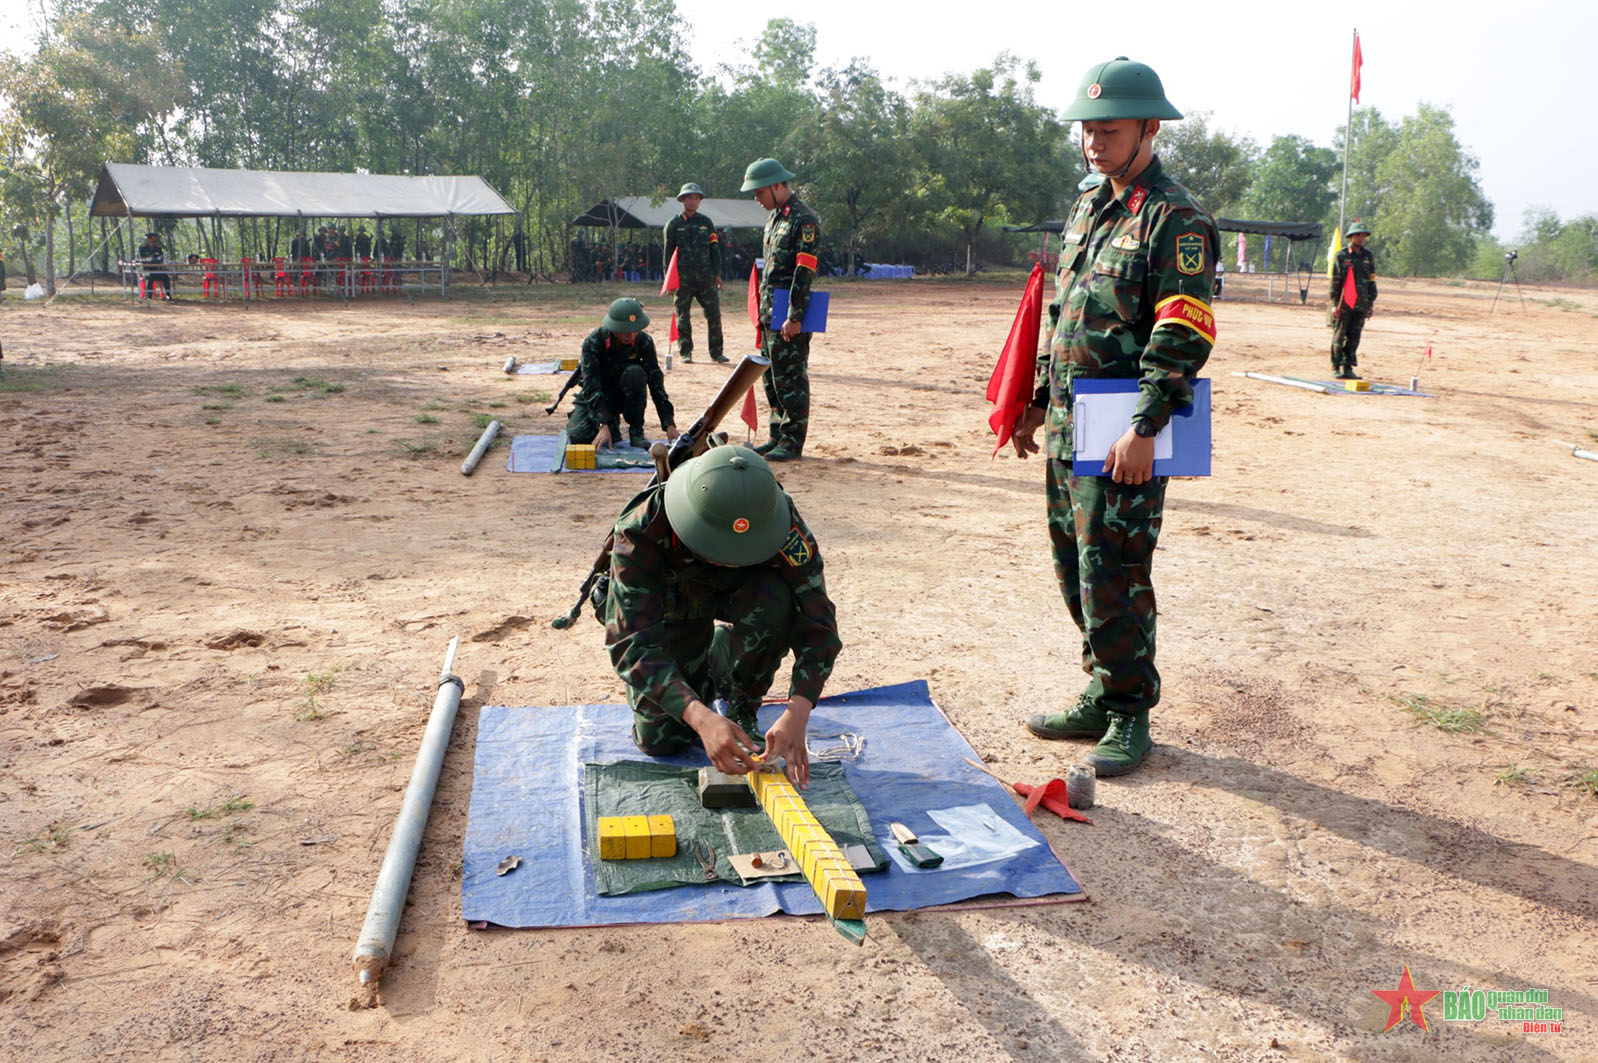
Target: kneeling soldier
point(618, 370)
point(719, 541)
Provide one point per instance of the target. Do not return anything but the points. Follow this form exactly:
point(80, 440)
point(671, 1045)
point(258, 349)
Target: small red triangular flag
point(750, 416)
point(753, 302)
point(1428, 352)
point(671, 282)
point(672, 338)
point(1350, 296)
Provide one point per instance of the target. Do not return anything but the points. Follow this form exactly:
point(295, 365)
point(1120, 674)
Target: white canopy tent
point(639, 212)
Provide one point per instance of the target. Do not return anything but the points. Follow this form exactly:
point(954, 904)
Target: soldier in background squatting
point(719, 541)
point(693, 237)
point(1137, 266)
point(1349, 321)
point(792, 239)
point(619, 372)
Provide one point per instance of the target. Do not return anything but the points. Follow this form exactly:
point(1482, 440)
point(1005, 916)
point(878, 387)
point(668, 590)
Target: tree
point(1212, 165)
point(1434, 208)
point(1293, 181)
point(988, 150)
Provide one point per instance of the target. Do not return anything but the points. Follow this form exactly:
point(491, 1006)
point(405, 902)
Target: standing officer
point(1349, 321)
point(151, 253)
point(692, 236)
point(719, 540)
point(619, 371)
point(793, 236)
point(1137, 265)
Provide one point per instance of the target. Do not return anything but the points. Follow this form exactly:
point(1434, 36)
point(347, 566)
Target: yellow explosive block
point(827, 870)
point(580, 456)
point(612, 839)
point(662, 836)
point(636, 829)
point(1356, 385)
point(568, 364)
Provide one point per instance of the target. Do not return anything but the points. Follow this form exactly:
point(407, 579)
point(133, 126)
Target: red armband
point(807, 261)
point(1186, 311)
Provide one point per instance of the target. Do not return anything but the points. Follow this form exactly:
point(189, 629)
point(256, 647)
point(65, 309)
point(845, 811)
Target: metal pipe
point(481, 448)
point(1590, 455)
point(1307, 385)
point(375, 945)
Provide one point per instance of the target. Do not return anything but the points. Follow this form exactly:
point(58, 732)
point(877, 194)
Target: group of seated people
point(334, 243)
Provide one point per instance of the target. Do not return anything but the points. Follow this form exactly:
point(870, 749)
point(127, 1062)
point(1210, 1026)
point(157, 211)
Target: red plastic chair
point(368, 278)
point(307, 275)
point(211, 284)
point(280, 274)
point(390, 277)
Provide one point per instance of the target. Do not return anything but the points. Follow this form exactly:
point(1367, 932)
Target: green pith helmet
point(764, 172)
point(1120, 89)
point(726, 507)
point(626, 315)
point(689, 189)
point(1356, 226)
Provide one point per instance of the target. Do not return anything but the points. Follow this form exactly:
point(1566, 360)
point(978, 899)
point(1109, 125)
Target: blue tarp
point(544, 454)
point(527, 792)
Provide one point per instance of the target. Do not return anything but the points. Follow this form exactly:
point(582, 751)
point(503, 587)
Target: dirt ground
point(234, 542)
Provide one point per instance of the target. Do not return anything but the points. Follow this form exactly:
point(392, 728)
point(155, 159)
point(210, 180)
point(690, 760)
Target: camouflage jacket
point(601, 365)
point(698, 249)
point(1363, 264)
point(1132, 299)
point(656, 580)
point(793, 235)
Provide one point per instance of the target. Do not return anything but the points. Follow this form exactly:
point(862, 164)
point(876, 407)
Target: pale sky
point(1517, 76)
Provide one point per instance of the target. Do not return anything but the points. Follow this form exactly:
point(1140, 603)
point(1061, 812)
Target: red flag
point(1359, 61)
point(672, 338)
point(753, 302)
point(750, 415)
point(671, 282)
point(1350, 296)
point(1428, 352)
point(1010, 387)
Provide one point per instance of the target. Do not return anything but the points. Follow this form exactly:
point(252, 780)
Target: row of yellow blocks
point(580, 455)
point(568, 364)
point(842, 893)
point(636, 837)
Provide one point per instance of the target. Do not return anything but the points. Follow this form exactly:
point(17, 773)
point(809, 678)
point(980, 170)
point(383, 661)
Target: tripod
point(1509, 274)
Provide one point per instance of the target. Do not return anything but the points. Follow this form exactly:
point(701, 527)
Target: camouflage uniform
point(1350, 321)
point(1133, 293)
point(616, 380)
point(698, 251)
point(664, 643)
point(793, 236)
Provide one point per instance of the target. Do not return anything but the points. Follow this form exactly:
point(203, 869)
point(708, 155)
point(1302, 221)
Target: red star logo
point(1405, 997)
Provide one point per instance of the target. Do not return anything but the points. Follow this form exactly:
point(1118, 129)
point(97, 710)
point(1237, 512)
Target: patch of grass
point(1444, 718)
point(318, 683)
point(529, 398)
point(227, 808)
point(355, 749)
point(1584, 778)
point(41, 379)
point(1559, 303)
point(165, 865)
point(283, 447)
point(276, 398)
point(482, 420)
point(213, 421)
point(314, 384)
point(217, 406)
point(53, 840)
point(426, 418)
point(425, 447)
point(497, 406)
point(231, 391)
point(1513, 775)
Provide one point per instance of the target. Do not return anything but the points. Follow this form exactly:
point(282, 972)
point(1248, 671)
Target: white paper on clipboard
point(1098, 420)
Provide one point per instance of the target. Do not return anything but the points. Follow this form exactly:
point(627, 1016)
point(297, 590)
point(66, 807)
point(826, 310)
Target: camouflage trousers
point(787, 387)
point(1103, 536)
point(1345, 338)
point(584, 423)
point(735, 661)
point(709, 298)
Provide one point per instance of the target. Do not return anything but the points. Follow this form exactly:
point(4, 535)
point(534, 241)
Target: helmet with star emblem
point(1120, 89)
point(1357, 227)
point(690, 189)
point(626, 315)
point(762, 173)
point(726, 506)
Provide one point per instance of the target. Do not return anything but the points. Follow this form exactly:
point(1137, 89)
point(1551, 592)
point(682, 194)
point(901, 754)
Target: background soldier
point(1349, 321)
point(792, 238)
point(619, 371)
point(363, 243)
point(1137, 265)
point(720, 540)
point(692, 236)
point(151, 253)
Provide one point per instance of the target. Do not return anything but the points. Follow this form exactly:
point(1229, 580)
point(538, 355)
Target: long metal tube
point(1305, 384)
point(376, 942)
point(481, 448)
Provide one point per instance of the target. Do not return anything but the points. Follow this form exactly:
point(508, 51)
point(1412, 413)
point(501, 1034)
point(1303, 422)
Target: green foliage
point(1214, 166)
point(1294, 180)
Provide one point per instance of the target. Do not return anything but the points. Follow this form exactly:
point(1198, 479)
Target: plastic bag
point(34, 291)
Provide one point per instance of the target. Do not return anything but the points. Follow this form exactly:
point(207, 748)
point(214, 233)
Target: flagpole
point(1348, 139)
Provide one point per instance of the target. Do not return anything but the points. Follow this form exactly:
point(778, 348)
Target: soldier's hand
point(672, 433)
point(729, 746)
point(790, 329)
point(1131, 459)
point(1026, 426)
point(603, 438)
point(786, 739)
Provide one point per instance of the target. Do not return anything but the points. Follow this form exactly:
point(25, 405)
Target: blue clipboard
point(1189, 427)
point(815, 319)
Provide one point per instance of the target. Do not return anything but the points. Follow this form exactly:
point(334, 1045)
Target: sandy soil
point(234, 543)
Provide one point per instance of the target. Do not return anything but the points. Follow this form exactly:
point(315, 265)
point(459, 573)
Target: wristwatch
point(1145, 428)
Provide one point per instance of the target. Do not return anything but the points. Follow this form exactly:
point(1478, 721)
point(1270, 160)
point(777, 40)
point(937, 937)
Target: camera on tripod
point(1510, 256)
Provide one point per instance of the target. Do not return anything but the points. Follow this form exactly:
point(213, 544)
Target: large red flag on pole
point(1359, 61)
point(671, 281)
point(1010, 387)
